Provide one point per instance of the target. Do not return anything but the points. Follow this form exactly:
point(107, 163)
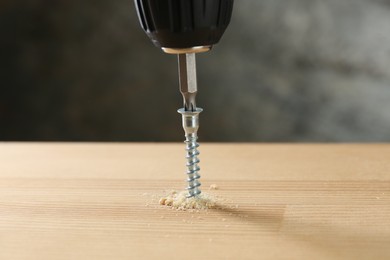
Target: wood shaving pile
point(214, 187)
point(181, 202)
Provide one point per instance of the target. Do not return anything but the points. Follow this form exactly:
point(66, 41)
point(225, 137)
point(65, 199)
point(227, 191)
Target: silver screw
point(190, 121)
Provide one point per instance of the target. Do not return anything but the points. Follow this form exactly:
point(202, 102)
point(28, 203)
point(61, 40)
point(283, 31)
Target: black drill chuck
point(183, 24)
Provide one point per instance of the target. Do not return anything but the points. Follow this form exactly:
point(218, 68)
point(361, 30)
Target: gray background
point(296, 70)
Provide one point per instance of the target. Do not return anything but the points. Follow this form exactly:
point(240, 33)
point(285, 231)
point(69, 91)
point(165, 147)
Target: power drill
point(186, 27)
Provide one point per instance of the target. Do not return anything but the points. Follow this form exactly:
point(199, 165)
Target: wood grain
point(100, 201)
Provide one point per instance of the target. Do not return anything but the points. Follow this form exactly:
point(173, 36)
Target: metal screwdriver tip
point(187, 80)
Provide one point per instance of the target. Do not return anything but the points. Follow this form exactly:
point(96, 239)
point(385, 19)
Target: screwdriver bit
point(187, 80)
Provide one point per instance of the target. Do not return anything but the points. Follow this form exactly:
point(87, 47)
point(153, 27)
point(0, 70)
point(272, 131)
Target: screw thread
point(192, 165)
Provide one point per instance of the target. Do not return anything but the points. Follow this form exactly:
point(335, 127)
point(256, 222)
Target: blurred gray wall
point(296, 70)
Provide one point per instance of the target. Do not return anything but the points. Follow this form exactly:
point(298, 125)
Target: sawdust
point(213, 187)
point(179, 201)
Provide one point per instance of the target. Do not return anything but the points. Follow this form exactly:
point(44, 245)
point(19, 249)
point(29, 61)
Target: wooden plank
point(100, 201)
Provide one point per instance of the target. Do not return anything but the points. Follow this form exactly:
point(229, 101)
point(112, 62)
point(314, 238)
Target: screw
point(190, 121)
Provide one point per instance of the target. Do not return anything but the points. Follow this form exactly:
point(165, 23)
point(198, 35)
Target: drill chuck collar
point(184, 26)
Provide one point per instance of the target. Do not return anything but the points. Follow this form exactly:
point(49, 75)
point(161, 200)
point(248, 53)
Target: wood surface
point(285, 201)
